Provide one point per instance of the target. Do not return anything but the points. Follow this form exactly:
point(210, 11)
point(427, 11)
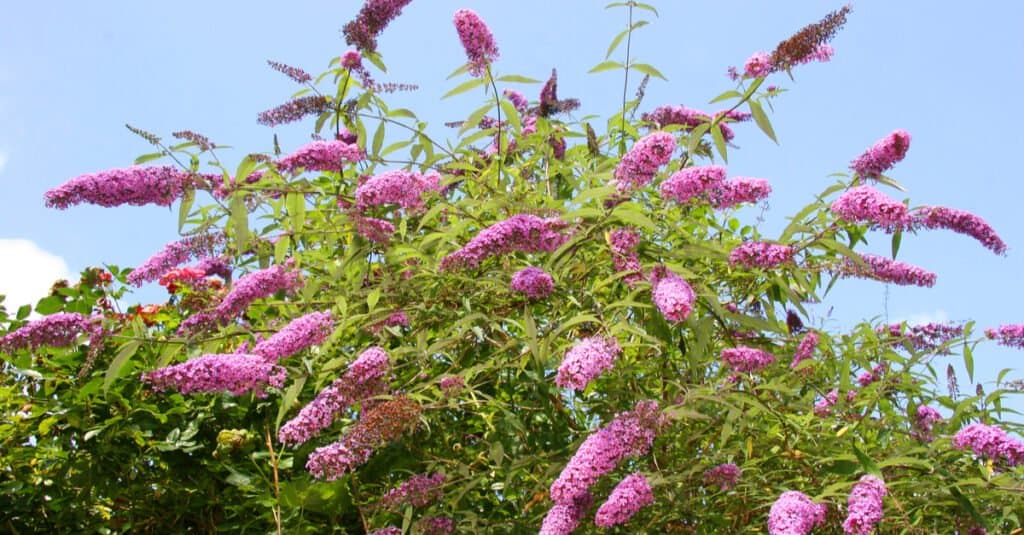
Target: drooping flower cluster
point(401, 187)
point(738, 190)
point(298, 75)
point(870, 377)
point(58, 330)
point(795, 514)
point(805, 349)
point(808, 44)
point(725, 476)
point(477, 39)
point(374, 16)
point(629, 496)
point(888, 270)
point(961, 222)
point(137, 186)
point(233, 373)
point(381, 424)
point(173, 255)
point(587, 360)
point(924, 337)
point(373, 229)
point(690, 118)
point(990, 441)
point(824, 406)
point(690, 182)
point(672, 295)
point(418, 491)
point(302, 332)
point(294, 110)
point(630, 434)
point(524, 233)
point(924, 418)
point(321, 155)
point(436, 525)
point(865, 506)
point(623, 243)
point(883, 155)
point(252, 286)
point(865, 204)
point(638, 166)
point(564, 519)
point(747, 359)
point(517, 99)
point(1007, 335)
point(532, 282)
point(753, 254)
point(365, 377)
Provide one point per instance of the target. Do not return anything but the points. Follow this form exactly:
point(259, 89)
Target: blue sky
point(71, 75)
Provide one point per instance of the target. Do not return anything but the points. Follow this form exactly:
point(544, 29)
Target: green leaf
point(289, 398)
point(606, 66)
point(866, 462)
point(114, 370)
point(49, 304)
point(240, 219)
point(149, 157)
point(631, 213)
point(897, 237)
point(969, 362)
point(401, 112)
point(281, 248)
point(378, 139)
point(373, 298)
point(622, 35)
point(511, 114)
point(184, 208)
point(762, 119)
point(517, 79)
point(245, 168)
point(648, 69)
point(296, 205)
point(465, 86)
point(474, 118)
point(648, 7)
point(719, 138)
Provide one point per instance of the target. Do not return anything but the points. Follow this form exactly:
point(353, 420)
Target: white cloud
point(27, 272)
point(936, 316)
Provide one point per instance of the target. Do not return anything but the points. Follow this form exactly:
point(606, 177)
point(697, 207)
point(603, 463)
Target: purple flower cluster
point(753, 254)
point(961, 222)
point(724, 475)
point(868, 378)
point(638, 166)
point(805, 349)
point(1007, 335)
point(924, 419)
point(234, 373)
point(365, 377)
point(673, 296)
point(865, 204)
point(629, 496)
point(517, 99)
point(865, 506)
point(390, 530)
point(690, 118)
point(586, 360)
point(380, 424)
point(747, 359)
point(418, 491)
point(795, 514)
point(299, 334)
point(57, 330)
point(623, 243)
point(739, 190)
point(252, 286)
point(137, 186)
point(525, 233)
point(761, 64)
point(888, 270)
point(990, 441)
point(533, 282)
point(690, 182)
point(630, 434)
point(395, 319)
point(373, 229)
point(436, 525)
point(374, 16)
point(452, 384)
point(477, 39)
point(401, 187)
point(321, 156)
point(294, 110)
point(173, 255)
point(824, 406)
point(882, 155)
point(924, 337)
point(564, 519)
point(298, 75)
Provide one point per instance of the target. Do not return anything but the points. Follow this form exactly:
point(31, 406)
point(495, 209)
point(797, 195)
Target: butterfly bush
point(523, 233)
point(250, 287)
point(924, 337)
point(753, 254)
point(672, 295)
point(623, 243)
point(477, 39)
point(691, 182)
point(883, 155)
point(381, 424)
point(865, 204)
point(638, 166)
point(805, 350)
point(173, 255)
point(232, 373)
point(961, 222)
point(532, 282)
point(888, 270)
point(990, 441)
point(57, 330)
point(1007, 335)
point(321, 156)
point(564, 519)
point(924, 419)
point(795, 514)
point(629, 496)
point(400, 187)
point(747, 359)
point(865, 506)
point(690, 118)
point(629, 434)
point(587, 360)
point(373, 18)
point(137, 186)
point(418, 491)
point(300, 333)
point(738, 190)
point(725, 476)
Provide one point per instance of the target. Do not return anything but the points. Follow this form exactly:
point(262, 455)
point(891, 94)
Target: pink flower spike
point(586, 361)
point(961, 222)
point(672, 295)
point(747, 359)
point(688, 183)
point(865, 204)
point(532, 282)
point(795, 514)
point(477, 39)
point(638, 166)
point(232, 373)
point(629, 496)
point(1007, 335)
point(865, 506)
point(322, 156)
point(753, 254)
point(882, 156)
point(136, 186)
